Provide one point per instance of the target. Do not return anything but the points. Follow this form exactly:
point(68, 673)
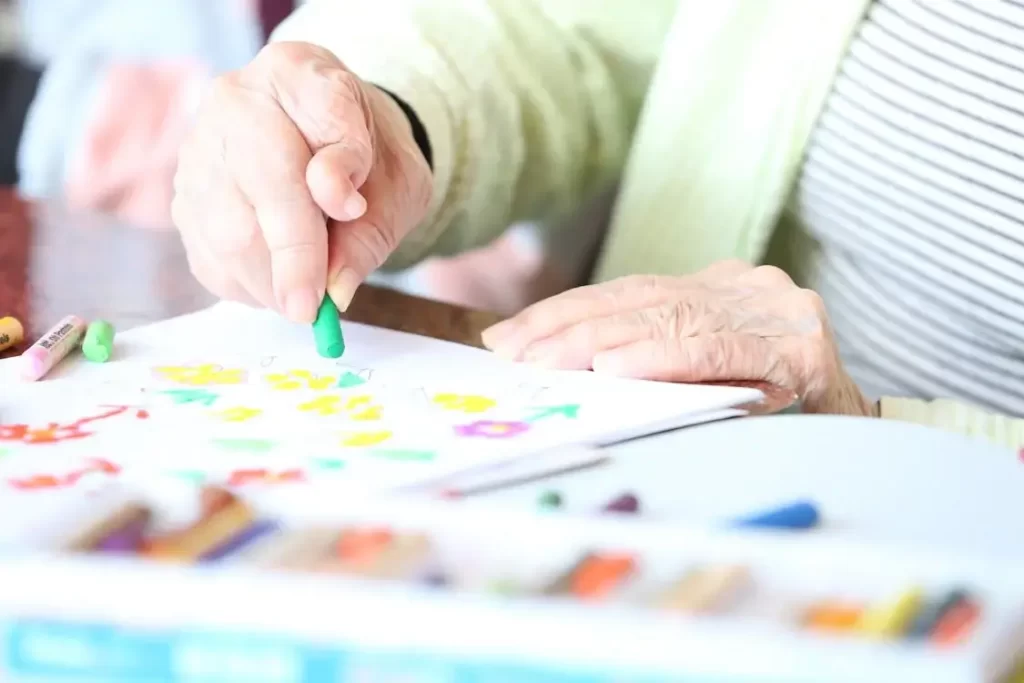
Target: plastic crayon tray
point(423, 591)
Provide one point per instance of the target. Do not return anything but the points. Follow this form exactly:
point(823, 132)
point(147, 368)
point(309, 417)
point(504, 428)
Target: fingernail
point(301, 305)
point(506, 349)
point(495, 334)
point(344, 288)
point(544, 361)
point(354, 207)
point(609, 363)
point(507, 353)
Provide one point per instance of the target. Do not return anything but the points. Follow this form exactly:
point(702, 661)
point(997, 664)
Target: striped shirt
point(913, 187)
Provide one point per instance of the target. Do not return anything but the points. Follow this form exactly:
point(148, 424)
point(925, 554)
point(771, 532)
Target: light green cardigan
point(702, 107)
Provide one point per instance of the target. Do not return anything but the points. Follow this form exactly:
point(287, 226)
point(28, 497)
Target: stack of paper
point(240, 397)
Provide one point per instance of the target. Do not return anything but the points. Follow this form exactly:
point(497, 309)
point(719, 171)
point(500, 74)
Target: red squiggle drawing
point(263, 476)
point(55, 432)
point(55, 481)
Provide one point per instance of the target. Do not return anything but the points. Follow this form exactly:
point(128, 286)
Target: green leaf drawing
point(404, 454)
point(192, 476)
point(332, 464)
point(200, 396)
point(569, 411)
point(246, 445)
point(348, 380)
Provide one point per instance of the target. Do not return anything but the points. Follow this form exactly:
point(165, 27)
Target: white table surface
point(871, 479)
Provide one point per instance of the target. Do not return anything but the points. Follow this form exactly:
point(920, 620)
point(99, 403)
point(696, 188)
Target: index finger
point(267, 156)
point(562, 311)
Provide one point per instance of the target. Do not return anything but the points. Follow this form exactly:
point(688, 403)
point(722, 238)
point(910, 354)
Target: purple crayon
point(627, 502)
point(127, 539)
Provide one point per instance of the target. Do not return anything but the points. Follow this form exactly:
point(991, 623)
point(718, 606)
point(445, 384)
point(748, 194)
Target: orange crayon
point(362, 544)
point(599, 575)
point(377, 558)
point(594, 576)
point(956, 624)
point(833, 616)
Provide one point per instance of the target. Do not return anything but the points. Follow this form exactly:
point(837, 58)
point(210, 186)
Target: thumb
point(357, 248)
point(333, 176)
point(704, 358)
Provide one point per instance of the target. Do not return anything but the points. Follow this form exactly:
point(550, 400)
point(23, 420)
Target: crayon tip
point(798, 515)
point(550, 499)
point(627, 502)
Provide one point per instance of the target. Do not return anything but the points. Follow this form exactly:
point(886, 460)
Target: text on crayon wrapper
point(56, 336)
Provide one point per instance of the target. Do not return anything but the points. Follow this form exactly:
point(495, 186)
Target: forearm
point(526, 107)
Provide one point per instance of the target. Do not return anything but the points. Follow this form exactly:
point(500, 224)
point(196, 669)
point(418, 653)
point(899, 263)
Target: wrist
point(418, 130)
point(842, 397)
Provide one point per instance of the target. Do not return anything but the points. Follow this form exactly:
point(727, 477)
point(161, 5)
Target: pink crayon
point(52, 347)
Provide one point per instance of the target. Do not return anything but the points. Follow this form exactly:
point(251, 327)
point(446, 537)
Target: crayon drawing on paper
point(238, 397)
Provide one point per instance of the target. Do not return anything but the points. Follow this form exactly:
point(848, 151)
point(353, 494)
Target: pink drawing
point(492, 429)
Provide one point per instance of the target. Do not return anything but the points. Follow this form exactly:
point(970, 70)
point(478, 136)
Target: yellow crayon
point(704, 590)
point(205, 535)
point(11, 332)
point(892, 619)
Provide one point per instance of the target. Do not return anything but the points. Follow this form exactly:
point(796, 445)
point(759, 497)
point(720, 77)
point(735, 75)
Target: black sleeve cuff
point(419, 132)
point(18, 84)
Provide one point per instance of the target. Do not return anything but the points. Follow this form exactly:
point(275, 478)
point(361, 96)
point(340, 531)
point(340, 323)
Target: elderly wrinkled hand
point(729, 322)
point(297, 176)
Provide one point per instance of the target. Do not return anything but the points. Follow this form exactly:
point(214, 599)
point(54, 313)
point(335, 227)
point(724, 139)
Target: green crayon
point(327, 330)
point(550, 499)
point(98, 344)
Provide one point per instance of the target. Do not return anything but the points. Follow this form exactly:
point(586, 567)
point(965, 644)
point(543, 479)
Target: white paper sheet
point(240, 397)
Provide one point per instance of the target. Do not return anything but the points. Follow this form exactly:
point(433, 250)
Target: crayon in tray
point(908, 613)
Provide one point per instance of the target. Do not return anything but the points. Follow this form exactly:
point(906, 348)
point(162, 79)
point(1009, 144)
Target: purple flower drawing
point(492, 429)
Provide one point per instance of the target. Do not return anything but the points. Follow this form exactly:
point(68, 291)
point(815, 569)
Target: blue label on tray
point(41, 651)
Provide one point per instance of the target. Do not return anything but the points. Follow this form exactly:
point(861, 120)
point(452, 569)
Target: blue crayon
point(239, 541)
point(799, 515)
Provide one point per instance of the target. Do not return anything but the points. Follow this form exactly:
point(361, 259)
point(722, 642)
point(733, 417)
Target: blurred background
point(95, 96)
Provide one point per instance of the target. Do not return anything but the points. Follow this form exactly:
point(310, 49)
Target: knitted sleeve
point(529, 105)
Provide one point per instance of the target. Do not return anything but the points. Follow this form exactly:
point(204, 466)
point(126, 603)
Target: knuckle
point(583, 336)
point(378, 242)
point(285, 54)
point(772, 276)
point(672, 320)
point(811, 301)
point(223, 89)
point(638, 283)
